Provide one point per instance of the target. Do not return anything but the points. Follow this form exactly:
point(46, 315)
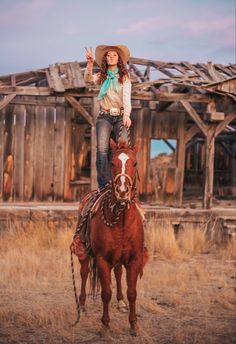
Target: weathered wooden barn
point(48, 143)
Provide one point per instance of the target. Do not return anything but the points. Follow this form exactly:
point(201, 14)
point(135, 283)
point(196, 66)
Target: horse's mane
point(122, 144)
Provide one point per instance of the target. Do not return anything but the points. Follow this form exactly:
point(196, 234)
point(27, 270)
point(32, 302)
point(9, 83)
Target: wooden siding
point(36, 154)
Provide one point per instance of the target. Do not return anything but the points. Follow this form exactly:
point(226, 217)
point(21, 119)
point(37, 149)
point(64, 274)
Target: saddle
point(88, 208)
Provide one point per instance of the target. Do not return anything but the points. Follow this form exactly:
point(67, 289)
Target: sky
point(159, 146)
point(36, 33)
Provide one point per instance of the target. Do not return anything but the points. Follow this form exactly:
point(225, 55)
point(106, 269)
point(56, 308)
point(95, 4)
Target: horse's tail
point(94, 278)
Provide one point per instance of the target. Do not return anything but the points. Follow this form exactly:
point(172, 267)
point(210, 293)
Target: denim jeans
point(106, 126)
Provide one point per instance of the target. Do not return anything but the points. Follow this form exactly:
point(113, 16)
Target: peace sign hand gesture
point(89, 55)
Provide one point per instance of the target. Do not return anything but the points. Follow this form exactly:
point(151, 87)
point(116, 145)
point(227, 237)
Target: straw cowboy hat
point(122, 50)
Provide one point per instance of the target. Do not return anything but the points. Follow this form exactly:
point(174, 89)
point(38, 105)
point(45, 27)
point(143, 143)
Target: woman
point(114, 98)
point(115, 109)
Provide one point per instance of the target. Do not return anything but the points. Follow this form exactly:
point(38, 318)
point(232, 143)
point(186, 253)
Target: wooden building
point(48, 143)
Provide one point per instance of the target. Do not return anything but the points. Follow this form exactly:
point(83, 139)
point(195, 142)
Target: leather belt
point(112, 111)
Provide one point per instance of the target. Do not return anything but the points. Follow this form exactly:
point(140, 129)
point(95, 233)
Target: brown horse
point(117, 235)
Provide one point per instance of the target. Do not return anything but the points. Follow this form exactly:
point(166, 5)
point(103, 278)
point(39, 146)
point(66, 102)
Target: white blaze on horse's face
point(123, 158)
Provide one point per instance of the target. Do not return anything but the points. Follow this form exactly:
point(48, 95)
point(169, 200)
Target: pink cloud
point(216, 24)
point(24, 13)
point(143, 26)
point(219, 27)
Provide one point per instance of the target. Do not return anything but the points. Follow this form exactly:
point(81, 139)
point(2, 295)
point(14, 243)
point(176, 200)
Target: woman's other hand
point(127, 121)
point(89, 56)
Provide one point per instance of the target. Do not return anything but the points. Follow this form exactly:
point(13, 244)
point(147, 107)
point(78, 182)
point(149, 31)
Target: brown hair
point(122, 70)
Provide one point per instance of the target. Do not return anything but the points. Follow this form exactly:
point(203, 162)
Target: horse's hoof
point(105, 331)
point(133, 333)
point(134, 330)
point(122, 307)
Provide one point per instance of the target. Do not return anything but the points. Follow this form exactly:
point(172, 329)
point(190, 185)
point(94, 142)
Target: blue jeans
point(107, 126)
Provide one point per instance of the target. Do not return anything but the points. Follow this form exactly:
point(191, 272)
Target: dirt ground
point(182, 298)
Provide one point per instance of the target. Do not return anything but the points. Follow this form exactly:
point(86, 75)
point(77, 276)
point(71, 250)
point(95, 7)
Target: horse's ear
point(113, 145)
point(135, 148)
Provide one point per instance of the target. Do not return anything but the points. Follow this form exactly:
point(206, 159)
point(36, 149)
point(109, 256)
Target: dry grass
point(37, 302)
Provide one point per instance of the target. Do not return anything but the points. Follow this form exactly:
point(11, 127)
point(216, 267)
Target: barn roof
point(145, 74)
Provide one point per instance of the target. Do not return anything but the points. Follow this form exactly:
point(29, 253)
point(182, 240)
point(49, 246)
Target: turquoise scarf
point(106, 84)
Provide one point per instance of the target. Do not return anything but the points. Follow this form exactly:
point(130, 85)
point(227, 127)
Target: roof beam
point(78, 107)
point(194, 115)
point(6, 100)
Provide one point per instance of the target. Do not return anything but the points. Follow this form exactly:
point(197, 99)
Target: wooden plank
point(214, 116)
point(209, 168)
point(197, 71)
point(211, 113)
point(196, 98)
point(78, 75)
point(6, 100)
point(68, 81)
point(224, 69)
point(2, 128)
point(29, 152)
point(68, 194)
point(56, 80)
point(49, 80)
point(48, 154)
point(233, 169)
point(79, 150)
point(8, 154)
point(78, 107)
point(193, 114)
point(191, 133)
point(25, 90)
point(229, 118)
point(213, 72)
point(18, 153)
point(39, 152)
point(181, 151)
point(59, 154)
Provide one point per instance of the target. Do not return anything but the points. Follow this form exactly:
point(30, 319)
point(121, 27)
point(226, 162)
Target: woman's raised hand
point(89, 55)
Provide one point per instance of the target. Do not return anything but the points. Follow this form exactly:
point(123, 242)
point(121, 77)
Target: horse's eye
point(135, 164)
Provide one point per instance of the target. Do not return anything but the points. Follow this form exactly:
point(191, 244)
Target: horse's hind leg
point(104, 271)
point(84, 270)
point(119, 295)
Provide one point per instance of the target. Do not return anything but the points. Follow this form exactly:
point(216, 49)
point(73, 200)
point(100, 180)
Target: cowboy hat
point(101, 50)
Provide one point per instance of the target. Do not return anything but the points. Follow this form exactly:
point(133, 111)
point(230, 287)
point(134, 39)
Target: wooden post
point(29, 152)
point(180, 158)
point(93, 172)
point(209, 168)
point(68, 194)
point(234, 169)
point(18, 152)
point(2, 128)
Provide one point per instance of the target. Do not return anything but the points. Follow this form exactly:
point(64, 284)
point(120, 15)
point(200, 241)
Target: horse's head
point(123, 169)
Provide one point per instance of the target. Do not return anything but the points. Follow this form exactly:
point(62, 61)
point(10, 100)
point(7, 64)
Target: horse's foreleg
point(132, 275)
point(122, 307)
point(84, 270)
point(104, 271)
point(118, 275)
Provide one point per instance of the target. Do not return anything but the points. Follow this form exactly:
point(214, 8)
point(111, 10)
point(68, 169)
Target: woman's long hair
point(122, 70)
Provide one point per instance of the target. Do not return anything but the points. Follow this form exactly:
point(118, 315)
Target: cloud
point(144, 26)
point(24, 13)
point(209, 25)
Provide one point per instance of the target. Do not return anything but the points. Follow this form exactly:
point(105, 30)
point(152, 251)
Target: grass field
point(186, 295)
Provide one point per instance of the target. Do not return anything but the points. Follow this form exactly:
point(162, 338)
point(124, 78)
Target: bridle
point(131, 182)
